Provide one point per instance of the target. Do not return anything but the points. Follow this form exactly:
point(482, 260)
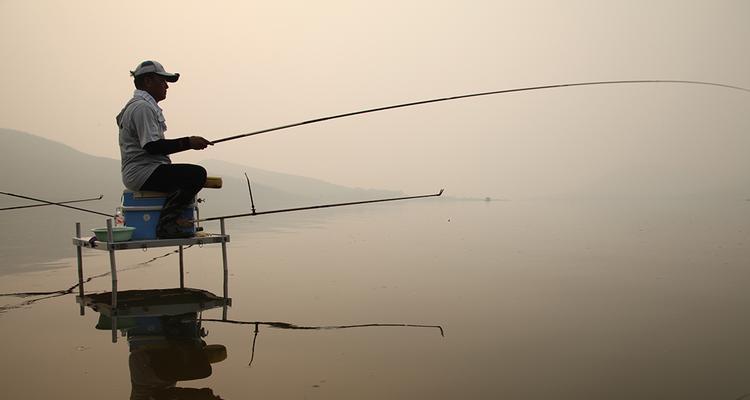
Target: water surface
point(538, 299)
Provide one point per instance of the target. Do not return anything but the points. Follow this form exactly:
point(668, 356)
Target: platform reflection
point(165, 337)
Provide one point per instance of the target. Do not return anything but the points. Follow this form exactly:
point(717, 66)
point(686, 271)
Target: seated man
point(145, 151)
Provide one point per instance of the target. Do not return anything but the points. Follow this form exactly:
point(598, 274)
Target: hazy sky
point(250, 65)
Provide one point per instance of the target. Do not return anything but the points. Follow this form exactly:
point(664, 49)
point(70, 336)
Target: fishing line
point(464, 96)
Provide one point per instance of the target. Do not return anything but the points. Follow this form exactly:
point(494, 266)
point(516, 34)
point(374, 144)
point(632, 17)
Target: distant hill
point(42, 168)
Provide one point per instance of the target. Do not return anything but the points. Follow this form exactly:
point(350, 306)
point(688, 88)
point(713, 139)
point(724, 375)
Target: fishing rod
point(464, 96)
point(253, 213)
point(59, 202)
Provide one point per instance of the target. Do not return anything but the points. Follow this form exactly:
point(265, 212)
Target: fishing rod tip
point(441, 192)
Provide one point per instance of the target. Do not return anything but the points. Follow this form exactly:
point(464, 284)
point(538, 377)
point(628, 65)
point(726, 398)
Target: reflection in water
point(287, 325)
point(168, 349)
point(62, 292)
point(165, 339)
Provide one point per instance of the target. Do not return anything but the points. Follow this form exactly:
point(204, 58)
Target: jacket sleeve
point(167, 146)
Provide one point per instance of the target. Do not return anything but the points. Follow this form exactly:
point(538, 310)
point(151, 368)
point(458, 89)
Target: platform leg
point(113, 268)
point(182, 270)
point(226, 267)
point(79, 255)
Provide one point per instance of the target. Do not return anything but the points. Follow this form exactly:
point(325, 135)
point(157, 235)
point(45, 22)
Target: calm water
point(538, 299)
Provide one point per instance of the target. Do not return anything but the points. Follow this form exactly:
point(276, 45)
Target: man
point(145, 151)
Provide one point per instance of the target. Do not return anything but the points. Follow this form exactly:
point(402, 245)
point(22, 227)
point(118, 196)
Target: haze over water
point(537, 299)
point(617, 270)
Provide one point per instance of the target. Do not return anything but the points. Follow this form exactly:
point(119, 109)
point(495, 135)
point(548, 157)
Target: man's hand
point(199, 143)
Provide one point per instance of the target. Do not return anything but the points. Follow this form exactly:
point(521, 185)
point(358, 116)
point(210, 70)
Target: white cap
point(154, 67)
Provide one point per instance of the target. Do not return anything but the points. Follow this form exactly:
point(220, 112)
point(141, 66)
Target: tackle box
point(141, 210)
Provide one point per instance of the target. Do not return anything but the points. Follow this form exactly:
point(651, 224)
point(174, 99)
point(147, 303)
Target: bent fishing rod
point(464, 96)
point(253, 213)
point(51, 204)
point(59, 204)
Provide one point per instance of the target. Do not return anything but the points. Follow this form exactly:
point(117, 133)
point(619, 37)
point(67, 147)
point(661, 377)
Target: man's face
point(156, 86)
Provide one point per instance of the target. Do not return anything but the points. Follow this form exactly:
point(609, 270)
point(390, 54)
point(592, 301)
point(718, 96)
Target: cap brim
point(169, 77)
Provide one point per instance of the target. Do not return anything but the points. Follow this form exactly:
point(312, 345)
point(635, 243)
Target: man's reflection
point(165, 339)
point(165, 350)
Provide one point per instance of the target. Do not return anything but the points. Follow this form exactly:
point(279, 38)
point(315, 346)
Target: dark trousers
point(181, 181)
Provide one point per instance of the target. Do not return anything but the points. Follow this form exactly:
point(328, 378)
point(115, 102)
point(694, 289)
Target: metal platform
point(113, 247)
point(149, 244)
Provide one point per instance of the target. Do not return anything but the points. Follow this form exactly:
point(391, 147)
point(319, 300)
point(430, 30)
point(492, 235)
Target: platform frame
point(112, 247)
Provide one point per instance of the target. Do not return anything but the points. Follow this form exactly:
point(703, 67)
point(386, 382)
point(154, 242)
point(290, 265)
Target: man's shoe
point(171, 230)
